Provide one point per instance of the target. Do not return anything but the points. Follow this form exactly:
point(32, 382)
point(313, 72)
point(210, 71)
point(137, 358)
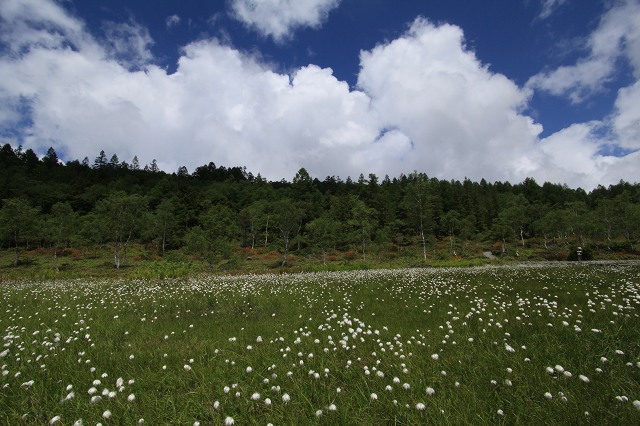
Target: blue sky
point(500, 90)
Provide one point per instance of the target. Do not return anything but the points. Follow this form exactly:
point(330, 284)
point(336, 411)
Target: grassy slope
point(347, 323)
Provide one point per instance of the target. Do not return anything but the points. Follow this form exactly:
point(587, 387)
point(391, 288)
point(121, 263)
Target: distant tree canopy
point(216, 210)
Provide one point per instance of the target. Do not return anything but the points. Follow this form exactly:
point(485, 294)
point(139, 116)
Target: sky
point(496, 89)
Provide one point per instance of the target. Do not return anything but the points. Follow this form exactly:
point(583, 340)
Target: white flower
point(636, 404)
point(55, 419)
point(318, 413)
point(249, 369)
point(95, 399)
point(374, 397)
point(333, 407)
point(430, 391)
point(286, 398)
point(267, 402)
point(228, 421)
point(584, 378)
point(106, 414)
point(255, 396)
point(420, 406)
point(131, 398)
point(509, 348)
point(28, 384)
point(406, 386)
point(500, 413)
point(435, 357)
point(187, 367)
point(548, 395)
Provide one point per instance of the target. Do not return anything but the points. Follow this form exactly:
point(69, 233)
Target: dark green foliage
point(231, 209)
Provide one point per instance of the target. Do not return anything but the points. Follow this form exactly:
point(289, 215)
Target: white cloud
point(172, 21)
point(57, 27)
point(578, 148)
point(626, 119)
point(573, 154)
point(617, 35)
point(279, 18)
point(549, 7)
point(423, 102)
point(128, 43)
point(463, 120)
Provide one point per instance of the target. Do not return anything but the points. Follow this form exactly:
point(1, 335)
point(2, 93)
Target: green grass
point(70, 332)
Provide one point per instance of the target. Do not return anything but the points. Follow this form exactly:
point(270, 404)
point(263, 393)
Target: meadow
point(531, 344)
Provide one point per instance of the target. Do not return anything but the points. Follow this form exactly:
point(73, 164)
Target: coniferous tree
point(100, 161)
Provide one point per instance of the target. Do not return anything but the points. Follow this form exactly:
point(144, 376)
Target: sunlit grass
point(448, 346)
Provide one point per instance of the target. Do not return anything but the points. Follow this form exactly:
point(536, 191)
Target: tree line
point(216, 210)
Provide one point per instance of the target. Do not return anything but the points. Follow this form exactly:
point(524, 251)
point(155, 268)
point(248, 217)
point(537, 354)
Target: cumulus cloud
point(279, 18)
point(423, 102)
point(463, 119)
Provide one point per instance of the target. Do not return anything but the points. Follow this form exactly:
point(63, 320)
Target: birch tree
point(120, 216)
point(418, 201)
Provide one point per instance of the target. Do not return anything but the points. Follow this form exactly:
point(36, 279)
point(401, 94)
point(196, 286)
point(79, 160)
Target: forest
point(220, 215)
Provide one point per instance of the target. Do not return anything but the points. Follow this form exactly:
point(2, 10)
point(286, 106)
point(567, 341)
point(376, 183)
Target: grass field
point(538, 344)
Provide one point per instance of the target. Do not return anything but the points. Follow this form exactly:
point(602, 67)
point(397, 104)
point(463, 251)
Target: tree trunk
point(424, 244)
point(17, 253)
point(266, 233)
point(116, 257)
point(286, 250)
point(364, 243)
